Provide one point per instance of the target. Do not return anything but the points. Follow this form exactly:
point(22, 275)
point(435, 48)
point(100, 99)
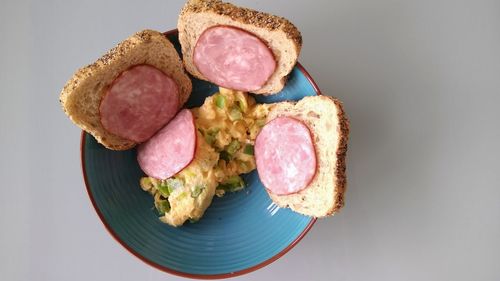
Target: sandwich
point(300, 155)
point(128, 94)
point(237, 48)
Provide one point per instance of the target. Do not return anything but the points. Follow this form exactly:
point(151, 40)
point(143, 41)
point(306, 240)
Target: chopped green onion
point(210, 139)
point(164, 189)
point(241, 101)
point(220, 101)
point(169, 186)
point(248, 149)
point(232, 184)
point(197, 190)
point(162, 206)
point(225, 156)
point(233, 147)
point(228, 153)
point(235, 114)
point(191, 220)
point(211, 135)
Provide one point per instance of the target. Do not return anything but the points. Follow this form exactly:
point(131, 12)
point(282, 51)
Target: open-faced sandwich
point(128, 94)
point(134, 95)
point(301, 155)
point(237, 48)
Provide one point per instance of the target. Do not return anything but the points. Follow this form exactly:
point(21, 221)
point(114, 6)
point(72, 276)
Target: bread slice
point(329, 128)
point(82, 94)
point(282, 37)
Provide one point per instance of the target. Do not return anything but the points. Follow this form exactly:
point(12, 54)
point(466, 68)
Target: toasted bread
point(280, 35)
point(82, 94)
point(329, 127)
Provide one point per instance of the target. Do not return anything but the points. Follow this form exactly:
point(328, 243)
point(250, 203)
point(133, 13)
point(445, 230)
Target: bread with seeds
point(300, 155)
point(236, 47)
point(110, 98)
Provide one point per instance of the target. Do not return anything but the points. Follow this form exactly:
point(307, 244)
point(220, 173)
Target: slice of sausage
point(139, 102)
point(233, 58)
point(171, 149)
point(285, 156)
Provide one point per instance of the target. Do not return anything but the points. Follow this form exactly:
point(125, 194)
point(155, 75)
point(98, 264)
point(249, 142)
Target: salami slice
point(139, 102)
point(171, 149)
point(233, 58)
point(285, 156)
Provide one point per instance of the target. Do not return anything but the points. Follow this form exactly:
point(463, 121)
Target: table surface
point(420, 82)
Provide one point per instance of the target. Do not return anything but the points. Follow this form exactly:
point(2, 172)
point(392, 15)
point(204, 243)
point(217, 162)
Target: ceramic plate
point(239, 233)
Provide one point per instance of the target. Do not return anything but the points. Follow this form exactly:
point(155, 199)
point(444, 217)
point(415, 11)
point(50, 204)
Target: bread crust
point(81, 96)
point(281, 36)
point(340, 171)
point(245, 16)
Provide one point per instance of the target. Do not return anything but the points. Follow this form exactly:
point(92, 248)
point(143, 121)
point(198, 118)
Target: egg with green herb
point(227, 123)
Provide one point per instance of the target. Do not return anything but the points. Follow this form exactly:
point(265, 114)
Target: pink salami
point(285, 156)
point(171, 149)
point(233, 58)
point(139, 102)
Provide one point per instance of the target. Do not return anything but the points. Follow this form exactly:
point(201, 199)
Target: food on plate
point(229, 121)
point(233, 58)
point(184, 180)
point(300, 155)
point(237, 48)
point(138, 102)
point(134, 95)
point(187, 194)
point(171, 149)
point(130, 93)
point(286, 155)
point(299, 150)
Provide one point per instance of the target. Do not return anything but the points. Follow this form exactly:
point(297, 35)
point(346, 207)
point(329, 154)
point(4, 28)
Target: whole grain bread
point(281, 36)
point(82, 94)
point(325, 118)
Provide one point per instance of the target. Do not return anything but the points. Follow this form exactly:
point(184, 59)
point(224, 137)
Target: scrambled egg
point(228, 123)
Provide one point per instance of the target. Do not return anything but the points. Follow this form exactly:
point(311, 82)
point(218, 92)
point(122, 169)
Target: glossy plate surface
point(239, 233)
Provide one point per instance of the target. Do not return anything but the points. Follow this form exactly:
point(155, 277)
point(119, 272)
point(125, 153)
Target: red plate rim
point(180, 273)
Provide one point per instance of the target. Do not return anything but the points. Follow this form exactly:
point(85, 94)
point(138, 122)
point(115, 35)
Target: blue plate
point(239, 233)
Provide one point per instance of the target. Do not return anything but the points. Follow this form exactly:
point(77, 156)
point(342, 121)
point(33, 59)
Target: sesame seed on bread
point(82, 94)
point(329, 127)
point(280, 35)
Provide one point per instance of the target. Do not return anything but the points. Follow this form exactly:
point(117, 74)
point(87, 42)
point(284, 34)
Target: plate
point(239, 233)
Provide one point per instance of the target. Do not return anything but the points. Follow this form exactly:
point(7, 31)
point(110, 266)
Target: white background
point(421, 85)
